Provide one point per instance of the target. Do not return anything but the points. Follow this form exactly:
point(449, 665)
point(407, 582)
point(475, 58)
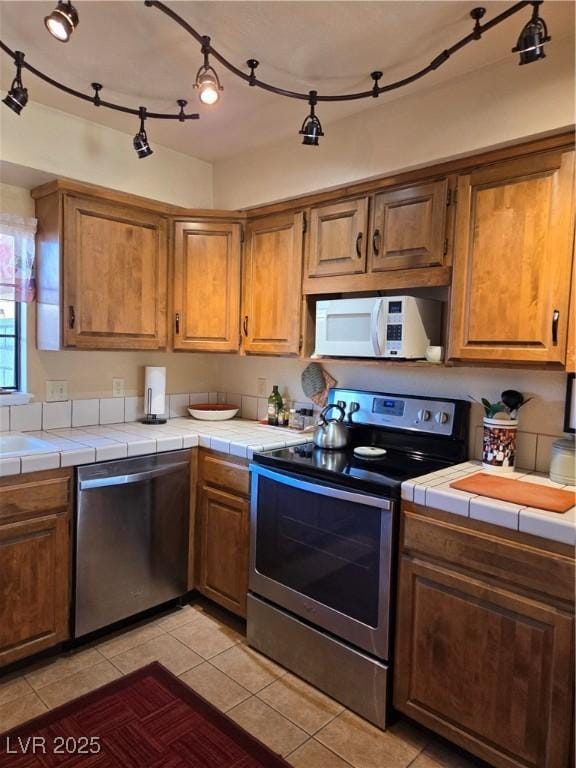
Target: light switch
point(117, 387)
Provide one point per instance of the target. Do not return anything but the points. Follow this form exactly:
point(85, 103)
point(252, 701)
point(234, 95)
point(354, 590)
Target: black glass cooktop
point(377, 475)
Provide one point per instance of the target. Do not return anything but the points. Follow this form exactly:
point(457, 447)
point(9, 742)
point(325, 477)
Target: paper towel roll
point(155, 390)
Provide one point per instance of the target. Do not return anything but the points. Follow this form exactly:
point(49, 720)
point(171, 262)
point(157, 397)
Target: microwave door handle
point(374, 327)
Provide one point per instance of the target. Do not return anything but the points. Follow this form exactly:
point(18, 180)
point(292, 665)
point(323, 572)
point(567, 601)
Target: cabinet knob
point(245, 325)
point(177, 322)
point(71, 317)
point(376, 242)
point(555, 318)
point(359, 245)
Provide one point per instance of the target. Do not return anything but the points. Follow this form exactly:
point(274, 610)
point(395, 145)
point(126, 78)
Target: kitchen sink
point(19, 445)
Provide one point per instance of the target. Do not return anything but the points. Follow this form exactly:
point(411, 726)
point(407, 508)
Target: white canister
point(563, 461)
point(499, 444)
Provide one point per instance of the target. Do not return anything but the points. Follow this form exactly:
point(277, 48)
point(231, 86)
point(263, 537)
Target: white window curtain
point(17, 276)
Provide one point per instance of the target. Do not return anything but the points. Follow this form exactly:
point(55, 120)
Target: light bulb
point(209, 93)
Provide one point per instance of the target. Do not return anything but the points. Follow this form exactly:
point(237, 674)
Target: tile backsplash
point(533, 447)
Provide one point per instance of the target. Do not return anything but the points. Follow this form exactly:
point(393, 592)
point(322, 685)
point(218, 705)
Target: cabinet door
point(207, 286)
point(34, 585)
point(484, 667)
point(337, 240)
point(409, 227)
point(115, 262)
point(224, 548)
point(512, 261)
point(273, 285)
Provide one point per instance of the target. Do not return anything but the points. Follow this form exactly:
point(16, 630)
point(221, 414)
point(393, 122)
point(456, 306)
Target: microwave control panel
point(394, 321)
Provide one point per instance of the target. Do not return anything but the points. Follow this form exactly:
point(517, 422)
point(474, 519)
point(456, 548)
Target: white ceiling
point(142, 57)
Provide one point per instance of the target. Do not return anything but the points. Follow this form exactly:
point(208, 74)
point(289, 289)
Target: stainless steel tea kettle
point(331, 433)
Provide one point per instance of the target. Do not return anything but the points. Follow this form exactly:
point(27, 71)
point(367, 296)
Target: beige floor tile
point(82, 682)
point(301, 703)
point(206, 636)
point(365, 746)
point(166, 649)
point(61, 667)
point(178, 617)
point(441, 755)
point(314, 755)
point(247, 667)
point(215, 686)
point(129, 639)
point(269, 726)
point(13, 713)
point(13, 687)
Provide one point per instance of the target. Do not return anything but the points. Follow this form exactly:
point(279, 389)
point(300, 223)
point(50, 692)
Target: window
point(10, 324)
point(17, 286)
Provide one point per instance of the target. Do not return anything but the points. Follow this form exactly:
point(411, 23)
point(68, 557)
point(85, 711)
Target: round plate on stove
point(369, 452)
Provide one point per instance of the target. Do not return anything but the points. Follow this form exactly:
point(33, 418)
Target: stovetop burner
point(392, 438)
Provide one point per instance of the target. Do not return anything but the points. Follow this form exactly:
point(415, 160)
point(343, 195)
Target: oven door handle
point(321, 490)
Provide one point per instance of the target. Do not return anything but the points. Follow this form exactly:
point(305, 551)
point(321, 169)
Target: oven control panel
point(433, 416)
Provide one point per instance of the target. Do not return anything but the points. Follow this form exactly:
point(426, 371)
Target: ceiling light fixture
point(207, 81)
point(140, 141)
point(17, 96)
point(62, 21)
point(530, 44)
point(311, 128)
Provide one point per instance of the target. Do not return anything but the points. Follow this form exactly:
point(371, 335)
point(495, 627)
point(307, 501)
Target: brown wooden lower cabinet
point(485, 657)
point(222, 530)
point(34, 562)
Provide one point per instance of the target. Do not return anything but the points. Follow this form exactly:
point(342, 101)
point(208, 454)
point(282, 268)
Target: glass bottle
point(274, 406)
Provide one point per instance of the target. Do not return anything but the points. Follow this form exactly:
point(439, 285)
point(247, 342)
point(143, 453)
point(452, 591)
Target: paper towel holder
point(151, 418)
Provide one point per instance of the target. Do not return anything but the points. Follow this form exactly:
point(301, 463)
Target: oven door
point(323, 553)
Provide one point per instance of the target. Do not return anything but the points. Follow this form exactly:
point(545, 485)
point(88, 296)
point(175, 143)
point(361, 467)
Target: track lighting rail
point(62, 22)
point(95, 98)
point(377, 90)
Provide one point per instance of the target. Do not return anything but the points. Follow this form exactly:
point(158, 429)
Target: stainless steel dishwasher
point(131, 537)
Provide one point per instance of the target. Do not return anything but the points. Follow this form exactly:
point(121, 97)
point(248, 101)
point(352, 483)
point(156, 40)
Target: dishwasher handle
point(136, 477)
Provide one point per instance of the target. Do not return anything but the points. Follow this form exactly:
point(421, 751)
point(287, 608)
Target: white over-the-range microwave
point(387, 326)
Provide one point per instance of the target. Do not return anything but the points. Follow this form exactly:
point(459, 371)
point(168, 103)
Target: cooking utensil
point(331, 433)
point(316, 382)
point(512, 399)
point(213, 411)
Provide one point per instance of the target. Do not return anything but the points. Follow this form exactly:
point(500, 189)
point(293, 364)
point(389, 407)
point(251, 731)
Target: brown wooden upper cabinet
point(409, 227)
point(513, 260)
point(102, 274)
point(207, 261)
point(272, 284)
point(337, 239)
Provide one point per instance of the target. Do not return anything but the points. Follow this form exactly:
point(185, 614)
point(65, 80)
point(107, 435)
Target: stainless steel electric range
point(323, 541)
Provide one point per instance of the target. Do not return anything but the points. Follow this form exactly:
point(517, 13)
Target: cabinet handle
point(245, 325)
point(177, 322)
point(376, 241)
point(71, 316)
point(359, 244)
point(555, 318)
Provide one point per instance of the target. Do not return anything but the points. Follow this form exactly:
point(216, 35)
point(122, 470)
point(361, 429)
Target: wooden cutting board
point(523, 493)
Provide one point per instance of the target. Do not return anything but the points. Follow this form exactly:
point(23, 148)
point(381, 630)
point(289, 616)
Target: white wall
point(57, 143)
point(497, 104)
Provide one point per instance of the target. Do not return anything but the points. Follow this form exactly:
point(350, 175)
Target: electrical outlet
point(56, 391)
point(262, 388)
point(117, 387)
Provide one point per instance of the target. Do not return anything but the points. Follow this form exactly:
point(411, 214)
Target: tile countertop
point(86, 445)
point(434, 491)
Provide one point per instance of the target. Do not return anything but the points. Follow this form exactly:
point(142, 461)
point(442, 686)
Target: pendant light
point(17, 96)
point(62, 21)
point(207, 82)
point(311, 128)
point(530, 44)
point(140, 141)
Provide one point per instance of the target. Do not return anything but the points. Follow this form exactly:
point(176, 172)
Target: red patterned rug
point(147, 719)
